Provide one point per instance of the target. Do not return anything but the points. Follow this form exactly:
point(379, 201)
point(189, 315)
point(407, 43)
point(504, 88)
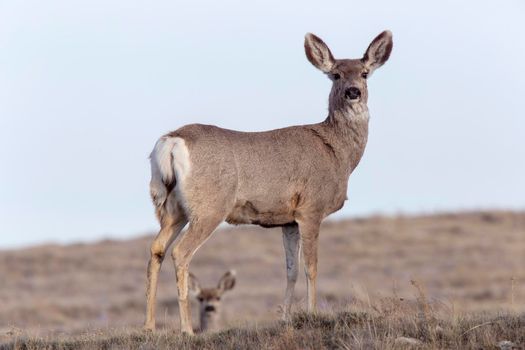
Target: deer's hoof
point(148, 328)
point(188, 332)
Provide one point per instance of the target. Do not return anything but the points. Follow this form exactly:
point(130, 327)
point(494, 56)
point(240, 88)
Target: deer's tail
point(162, 171)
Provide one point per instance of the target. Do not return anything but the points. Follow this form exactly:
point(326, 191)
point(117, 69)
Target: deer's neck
point(209, 321)
point(347, 131)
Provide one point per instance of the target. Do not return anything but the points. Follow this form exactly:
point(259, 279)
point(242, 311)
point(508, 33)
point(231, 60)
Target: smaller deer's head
point(349, 76)
point(210, 299)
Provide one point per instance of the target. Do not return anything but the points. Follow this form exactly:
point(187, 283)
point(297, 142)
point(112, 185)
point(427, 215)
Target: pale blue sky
point(86, 87)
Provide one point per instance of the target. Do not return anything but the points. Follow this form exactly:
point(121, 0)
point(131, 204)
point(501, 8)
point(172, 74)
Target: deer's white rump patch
point(181, 159)
point(170, 161)
point(170, 158)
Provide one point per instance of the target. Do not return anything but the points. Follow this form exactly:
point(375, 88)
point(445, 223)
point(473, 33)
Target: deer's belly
point(262, 214)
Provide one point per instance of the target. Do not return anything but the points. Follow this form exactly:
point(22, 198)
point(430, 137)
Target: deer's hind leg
point(172, 222)
point(183, 250)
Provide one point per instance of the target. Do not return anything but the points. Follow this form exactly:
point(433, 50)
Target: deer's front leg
point(291, 241)
point(309, 231)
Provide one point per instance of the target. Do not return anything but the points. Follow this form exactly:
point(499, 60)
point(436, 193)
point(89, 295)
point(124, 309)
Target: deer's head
point(210, 299)
point(349, 76)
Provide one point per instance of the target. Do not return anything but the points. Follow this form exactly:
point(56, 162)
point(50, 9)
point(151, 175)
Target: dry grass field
point(448, 280)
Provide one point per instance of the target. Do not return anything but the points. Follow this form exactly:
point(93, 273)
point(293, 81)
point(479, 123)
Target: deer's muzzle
point(209, 308)
point(352, 93)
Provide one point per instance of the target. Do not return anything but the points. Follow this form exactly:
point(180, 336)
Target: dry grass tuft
point(343, 330)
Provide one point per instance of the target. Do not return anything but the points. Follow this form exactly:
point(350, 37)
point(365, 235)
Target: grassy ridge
point(472, 260)
point(437, 281)
point(344, 330)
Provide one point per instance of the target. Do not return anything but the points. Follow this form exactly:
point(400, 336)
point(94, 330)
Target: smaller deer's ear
point(318, 53)
point(227, 281)
point(378, 51)
point(193, 285)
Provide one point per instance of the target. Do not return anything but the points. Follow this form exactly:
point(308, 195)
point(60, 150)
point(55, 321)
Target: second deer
point(210, 300)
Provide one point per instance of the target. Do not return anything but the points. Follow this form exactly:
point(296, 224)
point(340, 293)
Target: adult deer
point(292, 177)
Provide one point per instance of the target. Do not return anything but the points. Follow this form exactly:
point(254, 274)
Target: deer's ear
point(193, 285)
point(227, 281)
point(378, 51)
point(318, 53)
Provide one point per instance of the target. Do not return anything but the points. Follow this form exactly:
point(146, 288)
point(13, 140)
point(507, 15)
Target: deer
point(293, 178)
point(210, 300)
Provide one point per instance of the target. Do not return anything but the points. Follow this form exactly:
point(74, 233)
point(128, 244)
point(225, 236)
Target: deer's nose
point(352, 93)
point(209, 308)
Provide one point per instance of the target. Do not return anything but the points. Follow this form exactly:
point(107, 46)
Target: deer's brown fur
point(292, 177)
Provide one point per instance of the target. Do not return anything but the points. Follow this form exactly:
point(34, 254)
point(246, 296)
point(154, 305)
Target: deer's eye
point(201, 299)
point(336, 76)
point(364, 75)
